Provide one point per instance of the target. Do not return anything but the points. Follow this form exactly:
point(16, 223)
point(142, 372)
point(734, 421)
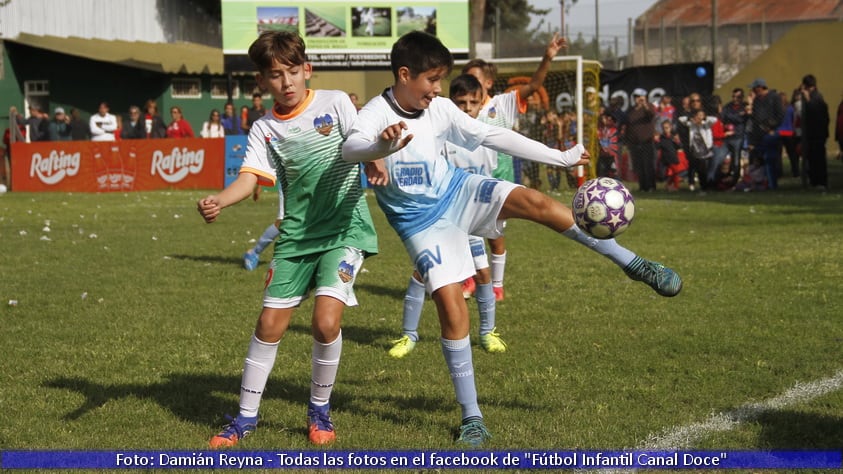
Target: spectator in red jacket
point(179, 127)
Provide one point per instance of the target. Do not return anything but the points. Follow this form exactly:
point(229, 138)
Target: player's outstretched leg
point(664, 280)
point(413, 302)
point(529, 204)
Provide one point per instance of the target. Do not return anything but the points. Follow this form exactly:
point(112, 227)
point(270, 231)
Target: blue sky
point(580, 17)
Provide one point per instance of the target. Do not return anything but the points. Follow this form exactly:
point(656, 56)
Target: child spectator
point(700, 144)
point(671, 156)
point(608, 134)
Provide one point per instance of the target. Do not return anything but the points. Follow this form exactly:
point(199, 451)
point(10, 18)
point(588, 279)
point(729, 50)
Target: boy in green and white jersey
point(325, 233)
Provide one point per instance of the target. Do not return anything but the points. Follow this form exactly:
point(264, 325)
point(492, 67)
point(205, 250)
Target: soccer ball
point(3, 188)
point(603, 207)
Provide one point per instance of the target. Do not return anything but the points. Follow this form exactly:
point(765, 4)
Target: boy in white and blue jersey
point(502, 110)
point(466, 92)
point(434, 207)
point(325, 231)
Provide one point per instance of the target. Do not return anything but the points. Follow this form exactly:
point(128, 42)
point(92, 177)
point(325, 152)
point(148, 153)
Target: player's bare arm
point(556, 44)
point(211, 206)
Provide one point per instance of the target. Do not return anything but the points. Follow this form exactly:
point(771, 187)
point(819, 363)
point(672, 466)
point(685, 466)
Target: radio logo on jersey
point(54, 167)
point(178, 164)
point(410, 174)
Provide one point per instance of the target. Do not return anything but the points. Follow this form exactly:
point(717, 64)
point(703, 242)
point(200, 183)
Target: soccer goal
point(571, 86)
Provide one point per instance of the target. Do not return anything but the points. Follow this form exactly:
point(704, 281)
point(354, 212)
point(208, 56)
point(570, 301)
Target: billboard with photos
point(342, 34)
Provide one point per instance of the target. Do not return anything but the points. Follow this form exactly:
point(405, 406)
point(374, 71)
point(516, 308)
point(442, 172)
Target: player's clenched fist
point(209, 208)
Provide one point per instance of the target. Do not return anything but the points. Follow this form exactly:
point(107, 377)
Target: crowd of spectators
point(137, 123)
point(714, 146)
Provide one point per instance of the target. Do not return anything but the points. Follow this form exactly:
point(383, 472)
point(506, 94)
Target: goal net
point(570, 90)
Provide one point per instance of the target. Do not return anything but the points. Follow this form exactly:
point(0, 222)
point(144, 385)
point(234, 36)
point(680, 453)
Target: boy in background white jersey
point(502, 110)
point(434, 206)
point(325, 233)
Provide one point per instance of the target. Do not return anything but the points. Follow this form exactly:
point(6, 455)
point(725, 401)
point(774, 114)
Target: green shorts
point(331, 273)
point(505, 169)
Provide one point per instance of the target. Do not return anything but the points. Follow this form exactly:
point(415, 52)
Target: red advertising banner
point(125, 165)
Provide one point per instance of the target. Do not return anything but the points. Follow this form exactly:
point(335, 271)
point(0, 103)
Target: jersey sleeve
point(465, 131)
point(257, 159)
point(363, 142)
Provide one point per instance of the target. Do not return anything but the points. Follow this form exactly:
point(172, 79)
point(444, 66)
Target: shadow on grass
point(359, 333)
point(798, 430)
point(210, 259)
point(204, 399)
point(378, 290)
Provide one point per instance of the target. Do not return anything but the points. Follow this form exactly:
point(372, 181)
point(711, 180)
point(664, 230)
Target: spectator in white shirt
point(103, 125)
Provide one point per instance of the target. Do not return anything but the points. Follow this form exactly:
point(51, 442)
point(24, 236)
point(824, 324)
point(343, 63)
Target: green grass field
point(133, 317)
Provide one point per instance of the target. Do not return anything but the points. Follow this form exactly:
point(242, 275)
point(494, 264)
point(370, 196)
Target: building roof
point(729, 12)
point(173, 58)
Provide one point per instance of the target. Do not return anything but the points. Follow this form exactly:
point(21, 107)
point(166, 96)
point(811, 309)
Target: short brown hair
point(285, 47)
point(489, 69)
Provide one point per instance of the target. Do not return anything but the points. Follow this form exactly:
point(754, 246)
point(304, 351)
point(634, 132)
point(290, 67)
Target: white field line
point(687, 436)
point(684, 437)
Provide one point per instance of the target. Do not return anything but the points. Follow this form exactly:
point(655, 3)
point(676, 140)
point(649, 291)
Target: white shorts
point(441, 253)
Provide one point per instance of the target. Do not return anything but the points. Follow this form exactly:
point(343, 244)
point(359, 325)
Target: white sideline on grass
point(684, 437)
point(687, 436)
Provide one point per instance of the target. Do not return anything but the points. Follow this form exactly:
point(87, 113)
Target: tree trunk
point(477, 12)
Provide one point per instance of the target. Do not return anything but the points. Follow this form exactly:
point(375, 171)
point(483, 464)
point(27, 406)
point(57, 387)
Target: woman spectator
point(179, 127)
point(213, 128)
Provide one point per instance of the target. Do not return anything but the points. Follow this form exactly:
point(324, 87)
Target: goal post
point(564, 90)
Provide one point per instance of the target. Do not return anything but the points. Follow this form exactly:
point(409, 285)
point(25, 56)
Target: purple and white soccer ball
point(603, 208)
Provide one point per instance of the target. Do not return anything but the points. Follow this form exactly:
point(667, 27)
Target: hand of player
point(256, 194)
point(376, 173)
point(393, 134)
point(209, 208)
point(585, 158)
point(556, 44)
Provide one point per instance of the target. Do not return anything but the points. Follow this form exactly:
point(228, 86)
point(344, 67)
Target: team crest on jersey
point(324, 124)
point(492, 113)
point(345, 271)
